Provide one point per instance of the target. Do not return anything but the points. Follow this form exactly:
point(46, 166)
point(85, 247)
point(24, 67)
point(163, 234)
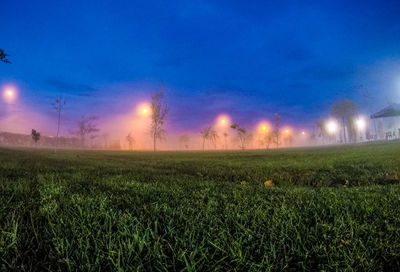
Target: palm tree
point(241, 133)
point(226, 140)
point(210, 135)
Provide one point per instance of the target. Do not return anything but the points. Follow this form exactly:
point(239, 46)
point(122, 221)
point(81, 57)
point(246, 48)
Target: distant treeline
point(8, 138)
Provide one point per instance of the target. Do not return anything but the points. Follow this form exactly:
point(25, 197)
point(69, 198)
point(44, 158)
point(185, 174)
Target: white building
point(385, 124)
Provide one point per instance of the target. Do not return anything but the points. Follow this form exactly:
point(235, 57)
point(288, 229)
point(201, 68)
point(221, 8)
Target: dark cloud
point(71, 88)
point(229, 90)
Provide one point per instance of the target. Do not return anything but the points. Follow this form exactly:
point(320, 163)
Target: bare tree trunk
point(58, 130)
point(203, 143)
point(344, 131)
point(154, 141)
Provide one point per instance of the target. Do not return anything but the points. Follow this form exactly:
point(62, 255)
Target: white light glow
point(331, 127)
point(9, 93)
point(361, 124)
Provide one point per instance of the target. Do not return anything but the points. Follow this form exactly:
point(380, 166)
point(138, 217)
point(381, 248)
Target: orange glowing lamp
point(222, 121)
point(143, 109)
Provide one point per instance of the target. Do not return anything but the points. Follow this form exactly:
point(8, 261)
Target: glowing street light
point(361, 124)
point(144, 109)
point(331, 127)
point(287, 131)
point(222, 121)
point(9, 94)
point(263, 127)
point(303, 133)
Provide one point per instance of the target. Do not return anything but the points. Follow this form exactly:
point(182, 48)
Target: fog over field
point(113, 126)
point(188, 136)
point(247, 61)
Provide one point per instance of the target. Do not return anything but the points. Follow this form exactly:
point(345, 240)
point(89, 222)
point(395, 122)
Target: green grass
point(330, 209)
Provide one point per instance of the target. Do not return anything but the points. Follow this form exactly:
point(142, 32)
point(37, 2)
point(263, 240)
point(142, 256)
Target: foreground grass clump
point(323, 209)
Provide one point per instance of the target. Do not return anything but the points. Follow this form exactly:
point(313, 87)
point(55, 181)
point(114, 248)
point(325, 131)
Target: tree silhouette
point(3, 56)
point(105, 137)
point(210, 135)
point(58, 104)
point(86, 126)
point(322, 131)
point(35, 136)
point(242, 136)
point(277, 128)
point(345, 111)
point(130, 140)
point(184, 140)
point(225, 140)
point(158, 112)
point(267, 139)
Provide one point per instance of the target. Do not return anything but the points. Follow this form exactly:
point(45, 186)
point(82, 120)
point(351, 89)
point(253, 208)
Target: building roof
point(392, 110)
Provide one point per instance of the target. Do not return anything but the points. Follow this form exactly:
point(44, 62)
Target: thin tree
point(92, 138)
point(226, 140)
point(322, 131)
point(288, 138)
point(277, 128)
point(86, 126)
point(105, 137)
point(35, 136)
point(58, 104)
point(345, 111)
point(205, 134)
point(158, 112)
point(213, 138)
point(3, 56)
point(241, 134)
point(369, 99)
point(184, 141)
point(268, 139)
point(209, 134)
point(130, 140)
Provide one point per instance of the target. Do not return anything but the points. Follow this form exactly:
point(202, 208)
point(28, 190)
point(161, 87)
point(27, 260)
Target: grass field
point(325, 209)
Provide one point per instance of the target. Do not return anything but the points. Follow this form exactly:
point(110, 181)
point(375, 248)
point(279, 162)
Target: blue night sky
point(248, 59)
